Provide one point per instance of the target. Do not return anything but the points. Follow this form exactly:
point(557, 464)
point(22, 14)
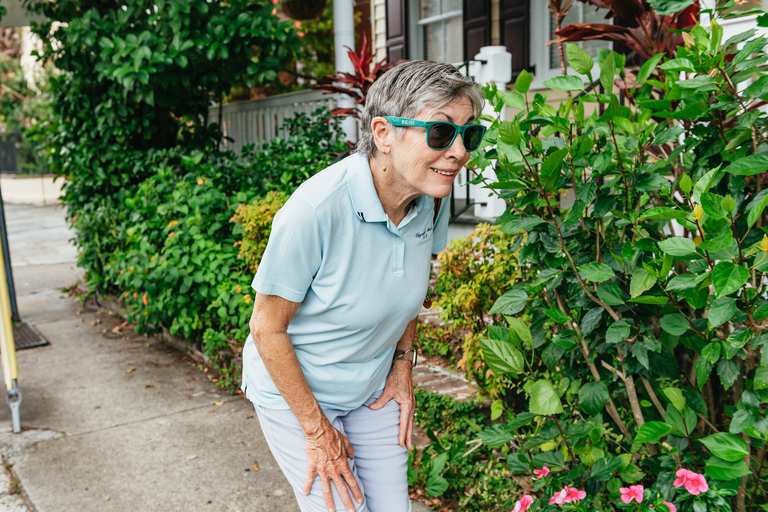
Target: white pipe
point(344, 35)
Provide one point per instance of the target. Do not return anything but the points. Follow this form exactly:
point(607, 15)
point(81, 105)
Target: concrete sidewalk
point(113, 421)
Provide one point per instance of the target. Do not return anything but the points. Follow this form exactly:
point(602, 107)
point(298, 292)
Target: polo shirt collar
point(362, 191)
point(365, 200)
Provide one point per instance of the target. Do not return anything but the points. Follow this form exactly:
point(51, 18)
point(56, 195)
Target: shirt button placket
point(399, 255)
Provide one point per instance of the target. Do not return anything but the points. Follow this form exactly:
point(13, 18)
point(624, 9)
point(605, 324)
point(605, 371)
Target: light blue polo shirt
point(359, 278)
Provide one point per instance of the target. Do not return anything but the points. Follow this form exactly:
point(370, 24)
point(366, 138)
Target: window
point(547, 58)
point(437, 30)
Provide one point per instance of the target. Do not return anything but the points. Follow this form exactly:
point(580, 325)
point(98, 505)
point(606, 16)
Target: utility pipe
point(344, 36)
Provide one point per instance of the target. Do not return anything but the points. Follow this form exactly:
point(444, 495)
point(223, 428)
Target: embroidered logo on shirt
point(424, 234)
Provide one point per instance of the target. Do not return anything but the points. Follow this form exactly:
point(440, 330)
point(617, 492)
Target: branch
point(654, 398)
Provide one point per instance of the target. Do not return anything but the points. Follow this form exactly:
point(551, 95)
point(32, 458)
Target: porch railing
point(259, 121)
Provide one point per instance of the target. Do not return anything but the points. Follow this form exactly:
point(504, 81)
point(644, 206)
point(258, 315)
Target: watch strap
point(406, 355)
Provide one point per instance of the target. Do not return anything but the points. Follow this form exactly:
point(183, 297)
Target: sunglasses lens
point(473, 136)
point(441, 135)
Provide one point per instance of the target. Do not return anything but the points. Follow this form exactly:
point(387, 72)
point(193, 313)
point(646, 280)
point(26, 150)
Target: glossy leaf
point(596, 272)
point(593, 397)
point(726, 446)
point(728, 278)
point(544, 399)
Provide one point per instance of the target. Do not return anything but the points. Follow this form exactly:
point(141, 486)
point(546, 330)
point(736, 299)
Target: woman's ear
point(382, 131)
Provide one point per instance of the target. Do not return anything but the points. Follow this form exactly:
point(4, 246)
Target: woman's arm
point(327, 448)
point(399, 387)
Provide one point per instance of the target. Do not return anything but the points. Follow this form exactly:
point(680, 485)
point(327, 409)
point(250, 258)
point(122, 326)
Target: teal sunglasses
point(441, 134)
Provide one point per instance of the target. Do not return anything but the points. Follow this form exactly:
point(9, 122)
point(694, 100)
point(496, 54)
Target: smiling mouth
point(445, 173)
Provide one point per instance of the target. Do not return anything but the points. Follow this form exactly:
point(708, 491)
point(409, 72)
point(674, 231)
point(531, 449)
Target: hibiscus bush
point(635, 352)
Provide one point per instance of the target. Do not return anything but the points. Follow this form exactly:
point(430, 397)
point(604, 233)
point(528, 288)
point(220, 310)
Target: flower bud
point(764, 243)
point(698, 212)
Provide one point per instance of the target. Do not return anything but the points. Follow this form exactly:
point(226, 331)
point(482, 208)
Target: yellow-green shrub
point(256, 220)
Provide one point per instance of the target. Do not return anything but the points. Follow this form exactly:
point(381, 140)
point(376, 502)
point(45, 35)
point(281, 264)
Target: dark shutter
point(515, 33)
point(397, 28)
point(477, 26)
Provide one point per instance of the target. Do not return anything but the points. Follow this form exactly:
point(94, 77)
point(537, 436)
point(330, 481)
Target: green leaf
point(544, 399)
point(749, 165)
point(667, 7)
point(728, 278)
point(515, 100)
point(603, 469)
point(550, 459)
point(721, 311)
point(711, 352)
point(564, 83)
point(682, 283)
point(675, 397)
point(515, 225)
point(557, 315)
point(551, 166)
point(642, 280)
point(703, 368)
point(678, 65)
point(728, 370)
point(521, 329)
point(436, 486)
point(497, 409)
point(678, 246)
point(711, 205)
point(757, 88)
point(719, 242)
point(502, 357)
point(727, 446)
point(685, 183)
point(652, 431)
point(663, 212)
point(632, 474)
point(741, 420)
point(590, 320)
point(674, 324)
point(597, 272)
point(617, 332)
point(756, 211)
point(607, 72)
point(593, 397)
point(578, 59)
point(509, 132)
point(645, 71)
point(496, 435)
point(761, 379)
point(650, 299)
point(704, 184)
point(719, 469)
point(523, 82)
point(610, 294)
point(510, 303)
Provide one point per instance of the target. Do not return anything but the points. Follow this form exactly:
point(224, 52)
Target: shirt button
point(399, 240)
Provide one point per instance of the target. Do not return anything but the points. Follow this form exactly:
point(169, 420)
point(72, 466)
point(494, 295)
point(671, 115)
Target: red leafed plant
point(356, 84)
point(651, 35)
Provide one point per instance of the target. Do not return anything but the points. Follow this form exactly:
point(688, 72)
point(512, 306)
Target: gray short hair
point(410, 87)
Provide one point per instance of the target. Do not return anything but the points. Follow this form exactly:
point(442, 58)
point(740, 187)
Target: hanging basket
point(303, 9)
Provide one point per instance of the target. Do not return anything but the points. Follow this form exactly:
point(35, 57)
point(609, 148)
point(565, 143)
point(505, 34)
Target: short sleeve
point(440, 237)
point(293, 254)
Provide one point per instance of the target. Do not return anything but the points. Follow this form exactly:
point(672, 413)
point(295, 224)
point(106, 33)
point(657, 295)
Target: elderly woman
point(342, 280)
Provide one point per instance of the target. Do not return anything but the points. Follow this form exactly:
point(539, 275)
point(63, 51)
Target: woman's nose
point(457, 149)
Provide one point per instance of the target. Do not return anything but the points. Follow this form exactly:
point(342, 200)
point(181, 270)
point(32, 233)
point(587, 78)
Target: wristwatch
point(406, 355)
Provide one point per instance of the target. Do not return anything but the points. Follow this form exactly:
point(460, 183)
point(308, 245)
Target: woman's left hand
point(399, 387)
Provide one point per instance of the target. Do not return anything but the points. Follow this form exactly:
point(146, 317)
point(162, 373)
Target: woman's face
point(422, 170)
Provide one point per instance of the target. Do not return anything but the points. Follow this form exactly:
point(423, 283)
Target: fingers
point(348, 447)
point(380, 402)
point(339, 478)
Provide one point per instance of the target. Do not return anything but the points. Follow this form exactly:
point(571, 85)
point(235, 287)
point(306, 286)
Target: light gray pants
point(380, 464)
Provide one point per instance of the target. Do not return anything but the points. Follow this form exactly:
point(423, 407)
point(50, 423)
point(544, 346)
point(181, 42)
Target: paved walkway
point(113, 421)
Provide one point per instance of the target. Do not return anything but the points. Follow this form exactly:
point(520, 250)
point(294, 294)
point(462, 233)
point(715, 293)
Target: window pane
point(433, 41)
point(429, 8)
point(454, 48)
point(578, 14)
point(451, 5)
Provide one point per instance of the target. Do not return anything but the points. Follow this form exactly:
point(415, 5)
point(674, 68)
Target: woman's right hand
point(327, 452)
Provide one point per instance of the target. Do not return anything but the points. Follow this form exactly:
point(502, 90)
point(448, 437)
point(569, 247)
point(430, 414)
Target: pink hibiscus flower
point(559, 497)
point(694, 483)
point(523, 504)
point(633, 492)
point(671, 507)
point(541, 473)
point(573, 494)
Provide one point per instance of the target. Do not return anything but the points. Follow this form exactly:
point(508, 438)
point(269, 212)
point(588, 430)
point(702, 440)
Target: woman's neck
point(395, 198)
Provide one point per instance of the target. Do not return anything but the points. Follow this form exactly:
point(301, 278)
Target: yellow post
point(8, 350)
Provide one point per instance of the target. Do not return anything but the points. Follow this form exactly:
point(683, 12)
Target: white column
point(344, 35)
